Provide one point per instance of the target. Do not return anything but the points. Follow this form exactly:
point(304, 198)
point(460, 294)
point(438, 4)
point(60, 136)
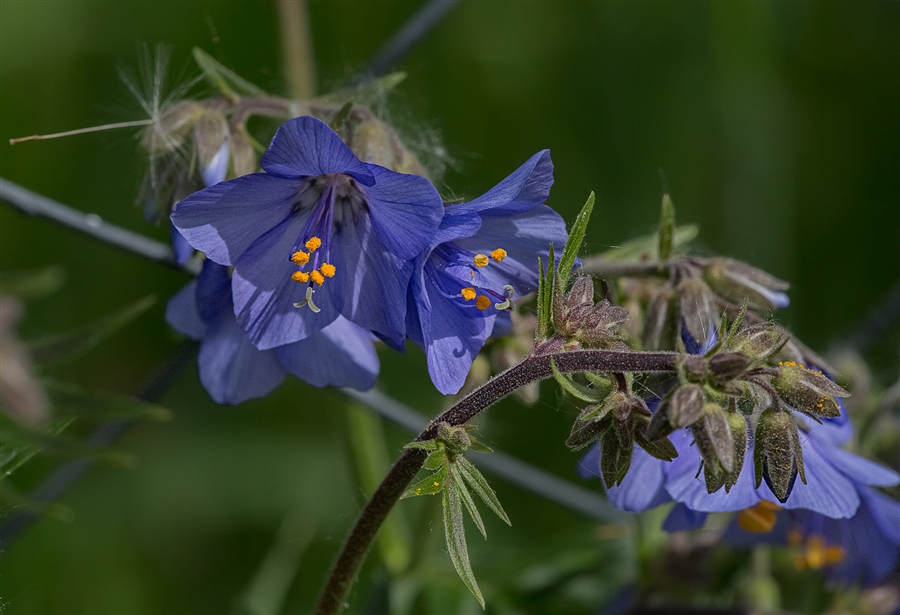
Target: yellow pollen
point(299, 276)
point(313, 244)
point(481, 260)
point(468, 293)
point(436, 484)
point(499, 254)
point(327, 270)
point(483, 303)
point(299, 258)
point(317, 277)
point(759, 518)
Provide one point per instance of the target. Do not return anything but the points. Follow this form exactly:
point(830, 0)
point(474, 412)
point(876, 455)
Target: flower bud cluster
point(579, 322)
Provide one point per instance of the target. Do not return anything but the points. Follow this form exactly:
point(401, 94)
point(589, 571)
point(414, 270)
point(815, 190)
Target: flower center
point(464, 267)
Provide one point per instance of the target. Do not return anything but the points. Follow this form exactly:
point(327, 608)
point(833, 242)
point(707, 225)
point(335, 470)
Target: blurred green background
point(775, 125)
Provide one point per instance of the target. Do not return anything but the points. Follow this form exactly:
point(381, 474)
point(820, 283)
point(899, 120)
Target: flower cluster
point(328, 253)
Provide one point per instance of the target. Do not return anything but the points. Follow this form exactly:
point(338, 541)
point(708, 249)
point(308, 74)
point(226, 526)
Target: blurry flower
point(21, 396)
point(483, 255)
point(317, 217)
point(233, 370)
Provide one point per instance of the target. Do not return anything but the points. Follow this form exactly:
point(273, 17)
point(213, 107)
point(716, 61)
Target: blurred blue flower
point(233, 370)
point(317, 218)
point(485, 252)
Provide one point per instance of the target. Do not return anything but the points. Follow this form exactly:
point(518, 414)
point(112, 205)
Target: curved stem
point(532, 369)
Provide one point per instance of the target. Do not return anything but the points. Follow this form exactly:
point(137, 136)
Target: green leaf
point(435, 460)
point(643, 248)
point(99, 405)
point(543, 327)
point(227, 81)
point(666, 228)
point(579, 391)
point(455, 534)
point(603, 384)
point(466, 498)
point(432, 485)
point(33, 283)
point(66, 346)
point(373, 90)
point(479, 484)
point(480, 447)
point(14, 434)
point(427, 445)
point(573, 245)
point(341, 116)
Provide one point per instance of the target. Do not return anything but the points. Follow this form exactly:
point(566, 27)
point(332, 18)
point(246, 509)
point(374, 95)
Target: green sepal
point(666, 228)
point(227, 81)
point(427, 445)
point(480, 447)
point(466, 498)
point(601, 383)
point(341, 116)
point(70, 345)
point(735, 326)
point(479, 484)
point(661, 448)
point(545, 295)
point(427, 486)
point(614, 459)
point(435, 460)
point(573, 245)
point(579, 391)
point(455, 534)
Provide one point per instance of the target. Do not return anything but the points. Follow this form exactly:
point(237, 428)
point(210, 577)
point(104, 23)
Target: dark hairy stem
point(534, 368)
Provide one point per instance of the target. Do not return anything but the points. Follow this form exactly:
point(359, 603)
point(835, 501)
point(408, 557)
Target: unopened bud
point(726, 366)
point(808, 391)
point(760, 341)
point(777, 455)
point(737, 282)
point(686, 405)
point(695, 367)
point(697, 307)
point(714, 441)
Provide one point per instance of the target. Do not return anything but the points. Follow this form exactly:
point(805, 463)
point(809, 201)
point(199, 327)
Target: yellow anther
point(299, 258)
point(436, 484)
point(815, 552)
point(759, 518)
point(299, 276)
point(313, 244)
point(483, 303)
point(317, 277)
point(327, 270)
point(481, 260)
point(468, 293)
point(499, 254)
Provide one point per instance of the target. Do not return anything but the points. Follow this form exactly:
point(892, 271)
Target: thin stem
point(81, 131)
point(92, 225)
point(532, 369)
point(296, 48)
point(413, 31)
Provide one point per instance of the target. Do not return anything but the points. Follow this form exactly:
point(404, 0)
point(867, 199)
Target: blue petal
point(589, 466)
point(642, 487)
point(684, 485)
point(264, 294)
point(837, 430)
point(502, 325)
point(182, 312)
point(213, 291)
point(217, 169)
point(870, 541)
point(226, 219)
point(826, 491)
point(861, 470)
point(528, 185)
point(453, 335)
point(885, 512)
point(370, 285)
point(524, 236)
point(681, 519)
point(180, 246)
point(232, 369)
point(405, 210)
point(341, 354)
point(306, 147)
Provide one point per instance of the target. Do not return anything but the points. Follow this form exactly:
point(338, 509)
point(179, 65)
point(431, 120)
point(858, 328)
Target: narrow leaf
point(573, 245)
point(435, 460)
point(33, 283)
point(338, 122)
point(666, 228)
point(17, 449)
point(455, 534)
point(427, 445)
point(579, 391)
point(227, 81)
point(72, 344)
point(479, 483)
point(642, 248)
point(480, 447)
point(432, 485)
point(466, 498)
point(367, 92)
point(99, 405)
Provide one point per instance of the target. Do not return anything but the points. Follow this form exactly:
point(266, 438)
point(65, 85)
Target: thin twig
point(413, 31)
point(296, 48)
point(517, 472)
point(62, 479)
point(532, 369)
point(81, 131)
point(92, 225)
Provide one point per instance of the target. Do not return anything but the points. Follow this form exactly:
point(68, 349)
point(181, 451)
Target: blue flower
point(485, 252)
point(233, 370)
point(318, 219)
